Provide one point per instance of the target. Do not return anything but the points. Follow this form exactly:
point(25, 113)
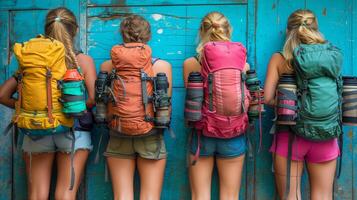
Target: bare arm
point(106, 66)
point(165, 67)
point(87, 65)
point(272, 79)
point(190, 65)
point(6, 92)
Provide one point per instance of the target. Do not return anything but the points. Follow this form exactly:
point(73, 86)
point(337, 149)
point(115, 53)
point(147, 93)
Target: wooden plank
point(176, 31)
point(251, 156)
point(6, 182)
point(33, 4)
point(83, 25)
point(271, 24)
point(353, 10)
point(94, 3)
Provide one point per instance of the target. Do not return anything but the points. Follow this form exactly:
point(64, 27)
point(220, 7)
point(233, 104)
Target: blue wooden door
point(260, 25)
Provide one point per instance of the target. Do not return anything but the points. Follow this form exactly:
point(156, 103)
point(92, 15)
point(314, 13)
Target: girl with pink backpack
point(217, 101)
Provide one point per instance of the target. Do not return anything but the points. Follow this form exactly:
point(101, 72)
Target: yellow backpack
point(41, 67)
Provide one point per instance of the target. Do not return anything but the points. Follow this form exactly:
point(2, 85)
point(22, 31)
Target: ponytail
point(61, 25)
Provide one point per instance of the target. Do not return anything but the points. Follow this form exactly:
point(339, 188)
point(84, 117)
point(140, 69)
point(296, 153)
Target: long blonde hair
point(61, 24)
point(214, 27)
point(302, 28)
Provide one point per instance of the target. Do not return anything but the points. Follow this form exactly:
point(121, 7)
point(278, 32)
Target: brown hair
point(302, 28)
point(135, 28)
point(61, 25)
point(214, 27)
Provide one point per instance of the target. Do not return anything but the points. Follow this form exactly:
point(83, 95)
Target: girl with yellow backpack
point(46, 63)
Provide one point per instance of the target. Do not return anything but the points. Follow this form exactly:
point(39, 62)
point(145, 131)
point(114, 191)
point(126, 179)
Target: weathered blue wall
point(260, 25)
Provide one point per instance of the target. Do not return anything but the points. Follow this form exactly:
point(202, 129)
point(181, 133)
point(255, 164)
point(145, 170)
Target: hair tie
point(58, 19)
point(215, 25)
point(304, 23)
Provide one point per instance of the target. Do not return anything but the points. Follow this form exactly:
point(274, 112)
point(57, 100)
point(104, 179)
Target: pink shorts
point(302, 149)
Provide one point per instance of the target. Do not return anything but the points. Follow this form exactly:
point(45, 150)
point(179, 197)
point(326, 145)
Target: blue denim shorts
point(58, 142)
point(222, 148)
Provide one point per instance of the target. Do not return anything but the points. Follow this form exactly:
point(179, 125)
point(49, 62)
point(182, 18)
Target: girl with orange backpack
point(138, 108)
point(216, 107)
point(40, 107)
point(303, 84)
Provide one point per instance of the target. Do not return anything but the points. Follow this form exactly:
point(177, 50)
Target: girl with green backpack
point(311, 108)
point(41, 146)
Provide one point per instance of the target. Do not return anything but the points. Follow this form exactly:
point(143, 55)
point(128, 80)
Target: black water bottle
point(101, 97)
point(194, 97)
point(162, 101)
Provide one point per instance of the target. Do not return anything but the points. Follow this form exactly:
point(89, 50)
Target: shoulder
point(106, 66)
point(85, 62)
point(277, 58)
point(279, 63)
point(84, 58)
point(191, 63)
point(162, 63)
point(162, 66)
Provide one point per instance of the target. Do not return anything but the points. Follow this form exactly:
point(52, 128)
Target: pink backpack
point(226, 101)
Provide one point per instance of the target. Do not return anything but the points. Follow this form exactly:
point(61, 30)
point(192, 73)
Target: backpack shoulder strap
point(49, 95)
point(154, 59)
point(197, 58)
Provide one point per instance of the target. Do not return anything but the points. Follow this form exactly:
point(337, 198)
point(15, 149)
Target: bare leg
point(230, 175)
point(151, 178)
point(39, 178)
point(201, 178)
point(280, 164)
point(321, 176)
point(64, 173)
point(122, 176)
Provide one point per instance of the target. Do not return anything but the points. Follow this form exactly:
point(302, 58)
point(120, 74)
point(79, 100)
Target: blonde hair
point(135, 28)
point(214, 27)
point(61, 24)
point(302, 28)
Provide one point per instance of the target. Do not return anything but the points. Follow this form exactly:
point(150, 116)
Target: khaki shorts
point(149, 147)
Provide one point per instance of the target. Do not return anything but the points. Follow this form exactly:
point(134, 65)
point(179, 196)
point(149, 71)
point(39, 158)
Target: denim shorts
point(222, 148)
point(58, 142)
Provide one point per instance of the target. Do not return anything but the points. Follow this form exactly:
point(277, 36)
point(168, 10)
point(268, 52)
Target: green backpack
point(319, 83)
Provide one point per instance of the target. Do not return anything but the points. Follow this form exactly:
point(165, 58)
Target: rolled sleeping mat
point(194, 97)
point(349, 105)
point(73, 94)
point(287, 100)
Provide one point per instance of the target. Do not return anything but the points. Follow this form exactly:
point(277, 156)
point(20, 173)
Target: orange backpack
point(128, 114)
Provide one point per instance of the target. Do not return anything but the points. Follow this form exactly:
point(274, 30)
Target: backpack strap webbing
point(340, 145)
point(154, 60)
point(19, 91)
point(72, 160)
point(144, 94)
point(243, 77)
point(49, 95)
point(210, 91)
